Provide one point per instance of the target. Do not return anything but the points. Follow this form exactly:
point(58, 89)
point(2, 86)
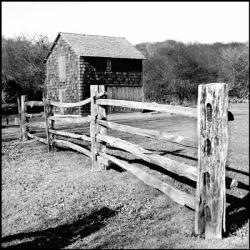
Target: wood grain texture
point(51, 127)
point(66, 144)
point(34, 115)
point(9, 105)
point(123, 92)
point(93, 127)
point(175, 194)
point(101, 130)
point(46, 116)
point(180, 110)
point(19, 114)
point(71, 135)
point(173, 166)
point(23, 121)
point(70, 145)
point(97, 112)
point(34, 103)
point(212, 131)
point(150, 133)
point(43, 140)
point(67, 116)
point(70, 104)
point(67, 119)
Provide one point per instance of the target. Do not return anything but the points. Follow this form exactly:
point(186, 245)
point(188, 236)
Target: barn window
point(62, 68)
point(108, 66)
point(125, 65)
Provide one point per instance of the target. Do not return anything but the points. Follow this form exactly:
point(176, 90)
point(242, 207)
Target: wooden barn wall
point(123, 79)
point(130, 93)
point(62, 82)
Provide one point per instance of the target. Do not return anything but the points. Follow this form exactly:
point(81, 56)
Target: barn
point(76, 61)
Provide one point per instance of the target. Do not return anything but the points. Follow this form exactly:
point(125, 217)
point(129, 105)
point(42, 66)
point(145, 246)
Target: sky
point(204, 22)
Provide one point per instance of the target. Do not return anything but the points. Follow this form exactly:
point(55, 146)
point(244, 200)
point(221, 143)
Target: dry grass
point(54, 200)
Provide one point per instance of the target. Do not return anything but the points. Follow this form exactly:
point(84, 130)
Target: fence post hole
point(97, 112)
point(23, 122)
point(212, 131)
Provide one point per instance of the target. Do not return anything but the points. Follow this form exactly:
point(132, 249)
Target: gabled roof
point(99, 46)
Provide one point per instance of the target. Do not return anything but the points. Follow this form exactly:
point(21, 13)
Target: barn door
point(118, 92)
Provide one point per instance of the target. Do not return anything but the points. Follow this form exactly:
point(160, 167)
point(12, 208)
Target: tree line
point(23, 70)
point(172, 72)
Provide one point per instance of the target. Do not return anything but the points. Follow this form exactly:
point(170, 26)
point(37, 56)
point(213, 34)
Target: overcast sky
point(204, 22)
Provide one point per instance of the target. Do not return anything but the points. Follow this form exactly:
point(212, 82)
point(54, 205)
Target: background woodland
point(171, 74)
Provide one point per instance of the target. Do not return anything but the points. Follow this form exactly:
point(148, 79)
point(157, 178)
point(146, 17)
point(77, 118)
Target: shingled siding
point(70, 85)
point(122, 84)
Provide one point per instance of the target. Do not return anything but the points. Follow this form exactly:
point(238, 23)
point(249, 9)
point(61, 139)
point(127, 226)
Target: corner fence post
point(212, 108)
point(97, 112)
point(23, 123)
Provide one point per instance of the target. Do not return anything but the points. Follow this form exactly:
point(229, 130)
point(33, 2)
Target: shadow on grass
point(61, 236)
point(237, 213)
point(177, 153)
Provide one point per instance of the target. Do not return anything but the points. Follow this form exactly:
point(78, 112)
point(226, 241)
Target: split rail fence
point(210, 174)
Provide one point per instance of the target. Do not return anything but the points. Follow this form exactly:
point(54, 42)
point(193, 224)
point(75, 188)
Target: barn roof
point(99, 46)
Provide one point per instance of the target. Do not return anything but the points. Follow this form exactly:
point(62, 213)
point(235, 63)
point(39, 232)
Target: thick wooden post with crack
point(23, 122)
point(212, 108)
point(97, 112)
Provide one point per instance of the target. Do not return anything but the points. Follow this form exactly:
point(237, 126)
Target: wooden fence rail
point(176, 195)
point(70, 105)
point(9, 105)
point(210, 175)
point(150, 133)
point(175, 109)
point(178, 168)
point(68, 119)
point(71, 135)
point(34, 103)
point(34, 115)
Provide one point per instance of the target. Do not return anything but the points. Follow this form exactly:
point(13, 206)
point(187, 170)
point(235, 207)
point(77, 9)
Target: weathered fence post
point(23, 122)
point(51, 126)
point(97, 112)
point(212, 131)
point(48, 125)
point(19, 111)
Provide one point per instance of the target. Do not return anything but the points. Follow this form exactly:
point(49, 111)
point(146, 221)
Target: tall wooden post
point(97, 112)
point(19, 111)
point(23, 122)
point(212, 128)
point(51, 124)
point(47, 114)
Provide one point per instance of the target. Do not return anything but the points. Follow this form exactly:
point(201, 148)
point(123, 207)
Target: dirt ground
point(52, 199)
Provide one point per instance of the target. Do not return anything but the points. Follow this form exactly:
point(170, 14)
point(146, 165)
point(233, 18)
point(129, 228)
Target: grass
point(54, 200)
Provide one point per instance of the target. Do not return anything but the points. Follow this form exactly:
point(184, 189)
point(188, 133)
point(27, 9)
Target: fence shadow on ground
point(237, 213)
point(155, 167)
point(61, 236)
